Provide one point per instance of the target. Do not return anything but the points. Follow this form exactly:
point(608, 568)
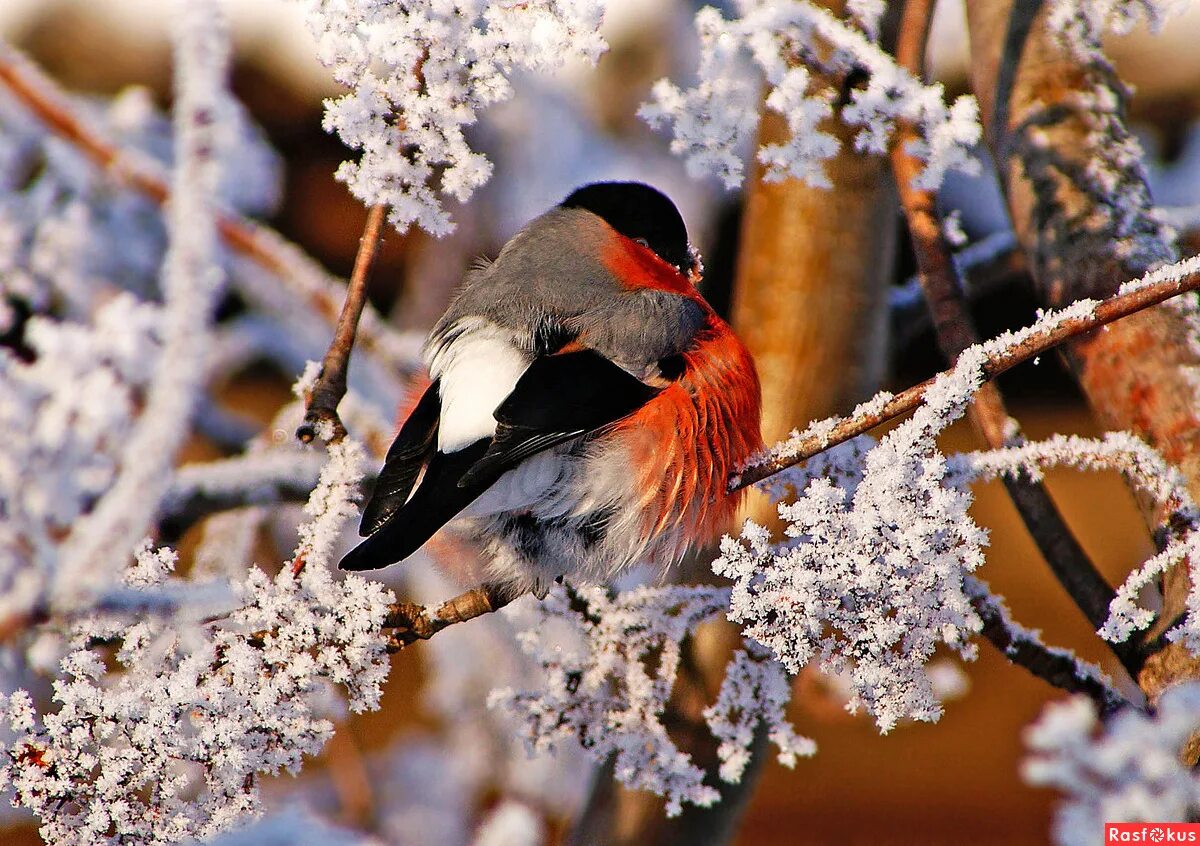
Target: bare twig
point(1105, 312)
point(955, 332)
point(330, 386)
point(417, 622)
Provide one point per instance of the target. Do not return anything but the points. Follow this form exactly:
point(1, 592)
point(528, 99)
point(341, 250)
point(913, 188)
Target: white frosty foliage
point(609, 665)
point(873, 580)
point(1125, 771)
point(712, 121)
point(420, 72)
point(172, 745)
point(1143, 467)
point(99, 541)
point(755, 691)
point(66, 416)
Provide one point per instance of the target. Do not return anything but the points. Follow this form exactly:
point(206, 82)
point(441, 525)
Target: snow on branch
point(1146, 470)
point(191, 282)
point(127, 146)
point(420, 73)
point(871, 580)
point(609, 686)
point(713, 121)
point(755, 691)
point(999, 355)
point(1127, 770)
point(171, 743)
point(1060, 667)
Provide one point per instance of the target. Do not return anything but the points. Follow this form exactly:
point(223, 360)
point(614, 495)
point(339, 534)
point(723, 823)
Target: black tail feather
point(437, 501)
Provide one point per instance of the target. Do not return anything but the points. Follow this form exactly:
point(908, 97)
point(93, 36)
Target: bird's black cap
point(638, 211)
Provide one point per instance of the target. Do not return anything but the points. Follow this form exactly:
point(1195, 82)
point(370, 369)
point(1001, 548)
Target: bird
point(586, 405)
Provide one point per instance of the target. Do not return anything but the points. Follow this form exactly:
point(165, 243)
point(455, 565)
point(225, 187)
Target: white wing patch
point(478, 369)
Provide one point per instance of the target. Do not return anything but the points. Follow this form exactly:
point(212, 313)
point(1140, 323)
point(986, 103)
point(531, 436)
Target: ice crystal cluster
point(1125, 770)
point(173, 745)
point(609, 666)
point(871, 580)
point(420, 73)
point(788, 42)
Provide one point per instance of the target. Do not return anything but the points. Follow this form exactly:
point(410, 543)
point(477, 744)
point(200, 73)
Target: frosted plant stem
point(287, 265)
point(101, 543)
point(943, 289)
point(1156, 287)
point(330, 386)
point(1019, 645)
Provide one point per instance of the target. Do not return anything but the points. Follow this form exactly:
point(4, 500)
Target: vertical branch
point(1076, 192)
point(955, 331)
point(191, 279)
point(330, 386)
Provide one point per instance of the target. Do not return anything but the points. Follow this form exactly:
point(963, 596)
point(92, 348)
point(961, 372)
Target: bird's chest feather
point(684, 444)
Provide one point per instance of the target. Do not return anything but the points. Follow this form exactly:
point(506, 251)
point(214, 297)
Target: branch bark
point(330, 387)
point(955, 332)
point(1082, 212)
point(1113, 309)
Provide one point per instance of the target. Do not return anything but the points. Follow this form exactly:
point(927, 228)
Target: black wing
point(437, 500)
point(409, 452)
point(557, 398)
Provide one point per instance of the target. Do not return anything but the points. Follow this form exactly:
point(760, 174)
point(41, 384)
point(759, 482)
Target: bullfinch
point(587, 406)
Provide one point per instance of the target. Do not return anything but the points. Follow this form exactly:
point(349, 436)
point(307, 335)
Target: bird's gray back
point(550, 281)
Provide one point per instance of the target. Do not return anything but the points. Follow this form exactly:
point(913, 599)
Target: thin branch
point(307, 281)
point(1024, 648)
point(1030, 346)
point(330, 386)
point(418, 622)
point(187, 504)
point(941, 282)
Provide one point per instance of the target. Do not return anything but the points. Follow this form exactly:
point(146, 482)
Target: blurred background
point(954, 782)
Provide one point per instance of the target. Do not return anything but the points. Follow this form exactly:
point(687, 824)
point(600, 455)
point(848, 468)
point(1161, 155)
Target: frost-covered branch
point(419, 75)
point(200, 490)
point(941, 281)
point(1125, 769)
point(99, 542)
point(609, 666)
point(784, 40)
point(172, 743)
point(1074, 177)
point(287, 277)
point(1024, 647)
point(1000, 354)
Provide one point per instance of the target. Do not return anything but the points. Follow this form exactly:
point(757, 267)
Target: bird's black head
point(641, 213)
